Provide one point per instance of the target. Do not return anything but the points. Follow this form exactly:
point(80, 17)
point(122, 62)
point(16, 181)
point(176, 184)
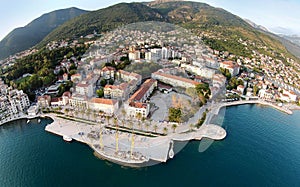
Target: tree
point(255, 90)
point(100, 92)
point(155, 128)
point(174, 126)
point(102, 82)
point(175, 115)
point(165, 130)
point(147, 126)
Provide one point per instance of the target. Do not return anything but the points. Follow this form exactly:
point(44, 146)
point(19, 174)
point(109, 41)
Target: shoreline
point(262, 102)
point(19, 118)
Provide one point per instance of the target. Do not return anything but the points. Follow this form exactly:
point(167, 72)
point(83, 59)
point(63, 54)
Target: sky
point(279, 16)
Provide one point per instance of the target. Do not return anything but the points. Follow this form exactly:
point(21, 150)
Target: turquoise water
point(262, 149)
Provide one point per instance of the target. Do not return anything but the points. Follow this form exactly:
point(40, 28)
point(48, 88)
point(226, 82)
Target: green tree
point(100, 92)
point(175, 115)
point(174, 126)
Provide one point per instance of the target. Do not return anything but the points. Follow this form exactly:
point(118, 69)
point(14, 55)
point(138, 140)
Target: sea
point(262, 148)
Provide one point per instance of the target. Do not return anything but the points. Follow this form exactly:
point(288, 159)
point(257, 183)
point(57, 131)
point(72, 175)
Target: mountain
point(256, 26)
point(293, 38)
point(25, 37)
point(219, 29)
point(104, 20)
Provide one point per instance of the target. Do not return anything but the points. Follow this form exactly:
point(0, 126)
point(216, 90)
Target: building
point(135, 108)
point(53, 89)
point(76, 78)
point(85, 89)
point(119, 92)
point(126, 76)
point(173, 80)
point(201, 71)
point(33, 110)
point(44, 101)
point(56, 101)
point(65, 76)
point(240, 89)
point(108, 72)
point(65, 98)
point(144, 92)
point(109, 106)
point(265, 94)
point(234, 69)
point(219, 80)
point(78, 101)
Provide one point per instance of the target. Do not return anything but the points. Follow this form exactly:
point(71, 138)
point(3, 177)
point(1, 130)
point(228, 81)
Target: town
point(143, 81)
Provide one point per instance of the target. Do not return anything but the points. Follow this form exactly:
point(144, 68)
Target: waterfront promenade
point(144, 148)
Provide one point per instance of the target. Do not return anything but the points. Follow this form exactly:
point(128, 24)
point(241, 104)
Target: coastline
point(283, 109)
point(3, 122)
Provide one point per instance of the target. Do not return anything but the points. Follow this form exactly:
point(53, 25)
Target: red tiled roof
point(138, 95)
point(103, 101)
point(108, 68)
point(138, 105)
point(177, 78)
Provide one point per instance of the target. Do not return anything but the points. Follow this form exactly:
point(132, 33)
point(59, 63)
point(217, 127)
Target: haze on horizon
point(279, 16)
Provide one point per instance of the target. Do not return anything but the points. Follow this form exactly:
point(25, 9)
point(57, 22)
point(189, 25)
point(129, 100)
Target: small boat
point(67, 138)
point(28, 121)
point(39, 120)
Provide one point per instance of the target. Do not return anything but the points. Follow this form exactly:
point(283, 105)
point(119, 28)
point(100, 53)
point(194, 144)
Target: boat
point(28, 121)
point(39, 120)
point(67, 138)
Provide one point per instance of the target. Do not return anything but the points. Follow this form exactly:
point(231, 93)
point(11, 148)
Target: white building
point(135, 108)
point(85, 89)
point(109, 106)
point(174, 80)
point(234, 69)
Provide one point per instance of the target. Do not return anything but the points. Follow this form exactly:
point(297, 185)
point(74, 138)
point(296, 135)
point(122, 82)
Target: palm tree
point(155, 128)
point(174, 126)
point(139, 125)
point(147, 126)
point(67, 111)
point(116, 122)
point(123, 111)
point(107, 119)
point(130, 124)
point(165, 130)
point(75, 113)
point(88, 113)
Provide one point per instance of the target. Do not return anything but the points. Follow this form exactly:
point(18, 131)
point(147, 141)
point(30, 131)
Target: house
point(233, 68)
point(240, 89)
point(33, 110)
point(134, 108)
point(109, 106)
point(85, 89)
point(108, 72)
point(65, 98)
point(78, 101)
point(117, 92)
point(56, 101)
point(44, 101)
